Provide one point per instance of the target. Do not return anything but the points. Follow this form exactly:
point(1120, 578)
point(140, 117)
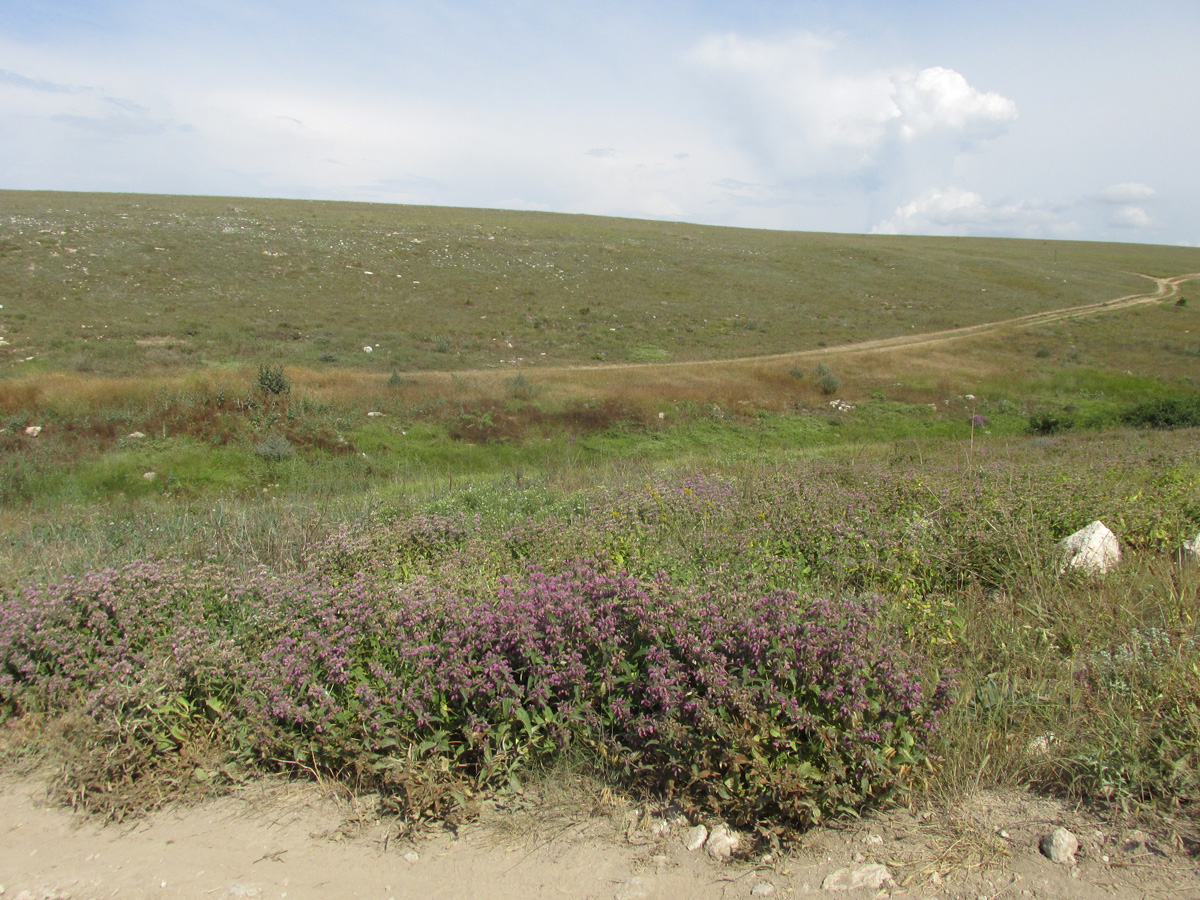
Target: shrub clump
point(828, 382)
point(1166, 412)
point(275, 447)
point(273, 381)
point(773, 711)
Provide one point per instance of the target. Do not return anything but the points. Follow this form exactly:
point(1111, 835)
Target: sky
point(1040, 120)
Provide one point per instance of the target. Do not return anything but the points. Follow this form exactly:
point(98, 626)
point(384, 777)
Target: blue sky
point(1070, 120)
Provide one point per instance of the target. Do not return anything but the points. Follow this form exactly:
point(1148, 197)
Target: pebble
point(871, 877)
point(766, 889)
point(1060, 846)
point(722, 843)
point(694, 838)
point(412, 856)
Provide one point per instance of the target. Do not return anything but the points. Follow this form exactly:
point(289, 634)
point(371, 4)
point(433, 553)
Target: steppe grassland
point(749, 488)
point(117, 284)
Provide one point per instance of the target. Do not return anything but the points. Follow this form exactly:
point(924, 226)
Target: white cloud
point(1131, 217)
point(958, 212)
point(939, 98)
point(791, 110)
point(1130, 192)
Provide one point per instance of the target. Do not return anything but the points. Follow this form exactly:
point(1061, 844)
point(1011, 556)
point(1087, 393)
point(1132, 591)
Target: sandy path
point(1165, 289)
point(288, 840)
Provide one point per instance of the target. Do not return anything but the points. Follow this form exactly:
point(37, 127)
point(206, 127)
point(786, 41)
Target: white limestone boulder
point(1093, 550)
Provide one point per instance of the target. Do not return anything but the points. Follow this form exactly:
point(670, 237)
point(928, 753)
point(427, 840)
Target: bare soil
point(286, 839)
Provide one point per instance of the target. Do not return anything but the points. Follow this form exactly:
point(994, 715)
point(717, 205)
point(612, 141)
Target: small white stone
point(870, 877)
point(33, 430)
point(1060, 846)
point(136, 435)
point(766, 889)
point(722, 843)
point(149, 476)
point(374, 415)
point(412, 856)
point(368, 349)
point(694, 838)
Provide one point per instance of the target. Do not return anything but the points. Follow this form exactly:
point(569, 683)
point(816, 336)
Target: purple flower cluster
point(756, 704)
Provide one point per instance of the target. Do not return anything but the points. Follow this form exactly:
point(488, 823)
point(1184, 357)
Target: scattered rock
point(694, 838)
point(659, 827)
point(374, 415)
point(872, 839)
point(722, 843)
point(368, 349)
point(631, 889)
point(149, 476)
point(766, 889)
point(1093, 549)
point(412, 856)
point(871, 877)
point(33, 430)
point(136, 435)
point(243, 890)
point(1060, 846)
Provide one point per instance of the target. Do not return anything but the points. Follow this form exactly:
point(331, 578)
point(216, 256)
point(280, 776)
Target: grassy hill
point(118, 284)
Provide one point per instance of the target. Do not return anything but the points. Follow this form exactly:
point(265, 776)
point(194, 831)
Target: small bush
point(273, 381)
point(827, 381)
point(1049, 423)
point(1168, 412)
point(274, 448)
point(520, 387)
point(1042, 353)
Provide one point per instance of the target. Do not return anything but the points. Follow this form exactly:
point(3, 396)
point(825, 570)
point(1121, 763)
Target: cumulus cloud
point(788, 105)
point(939, 98)
point(958, 212)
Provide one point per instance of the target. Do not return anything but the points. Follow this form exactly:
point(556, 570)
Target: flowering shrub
point(747, 707)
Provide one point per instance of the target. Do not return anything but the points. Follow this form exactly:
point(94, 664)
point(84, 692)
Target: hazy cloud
point(1130, 192)
point(959, 212)
point(1131, 217)
point(34, 84)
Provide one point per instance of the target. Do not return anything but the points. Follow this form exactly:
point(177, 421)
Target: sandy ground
point(278, 839)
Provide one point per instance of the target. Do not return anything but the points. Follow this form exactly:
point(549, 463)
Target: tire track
point(1165, 289)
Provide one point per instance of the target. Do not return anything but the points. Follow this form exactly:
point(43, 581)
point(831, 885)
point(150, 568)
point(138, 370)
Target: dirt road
point(279, 839)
